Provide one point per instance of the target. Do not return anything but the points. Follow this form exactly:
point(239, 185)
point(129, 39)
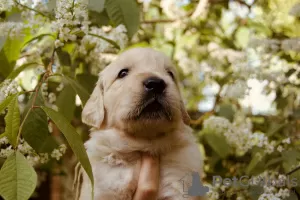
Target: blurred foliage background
point(238, 62)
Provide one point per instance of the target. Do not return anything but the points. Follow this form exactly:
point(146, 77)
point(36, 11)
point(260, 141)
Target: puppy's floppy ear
point(185, 116)
point(93, 111)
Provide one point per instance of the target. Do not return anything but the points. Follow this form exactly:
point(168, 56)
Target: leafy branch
point(36, 91)
point(32, 9)
point(107, 40)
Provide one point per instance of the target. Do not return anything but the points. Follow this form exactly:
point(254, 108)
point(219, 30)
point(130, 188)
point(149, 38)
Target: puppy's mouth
point(153, 108)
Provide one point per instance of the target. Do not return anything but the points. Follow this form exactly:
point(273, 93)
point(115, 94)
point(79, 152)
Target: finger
point(148, 183)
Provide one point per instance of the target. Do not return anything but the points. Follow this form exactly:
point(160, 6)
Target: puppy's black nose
point(155, 85)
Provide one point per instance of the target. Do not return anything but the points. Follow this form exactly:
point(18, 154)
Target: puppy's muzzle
point(154, 85)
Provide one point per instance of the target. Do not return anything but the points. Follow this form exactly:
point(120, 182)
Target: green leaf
point(226, 111)
point(38, 37)
point(82, 93)
point(256, 159)
point(2, 135)
point(107, 40)
point(66, 101)
point(99, 19)
point(17, 71)
point(12, 120)
point(73, 139)
point(274, 161)
point(17, 178)
point(6, 102)
point(35, 129)
point(88, 81)
point(5, 68)
point(242, 37)
point(218, 144)
point(290, 162)
point(124, 12)
point(64, 57)
point(8, 55)
point(96, 5)
point(36, 134)
point(274, 128)
point(2, 41)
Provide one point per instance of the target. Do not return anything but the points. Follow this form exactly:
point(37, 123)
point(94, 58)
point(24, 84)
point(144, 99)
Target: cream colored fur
point(116, 143)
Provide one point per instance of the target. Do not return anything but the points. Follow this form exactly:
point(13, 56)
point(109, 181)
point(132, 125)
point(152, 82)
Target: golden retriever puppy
point(136, 107)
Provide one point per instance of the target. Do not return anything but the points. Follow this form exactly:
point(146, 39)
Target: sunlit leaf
point(2, 41)
point(124, 12)
point(37, 38)
point(17, 178)
point(6, 102)
point(17, 71)
point(73, 139)
point(12, 120)
point(9, 54)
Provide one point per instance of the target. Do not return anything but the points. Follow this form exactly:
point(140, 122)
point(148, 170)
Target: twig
point(22, 124)
point(24, 6)
point(206, 114)
point(202, 118)
point(33, 106)
point(293, 171)
point(154, 21)
point(38, 88)
point(106, 39)
point(199, 9)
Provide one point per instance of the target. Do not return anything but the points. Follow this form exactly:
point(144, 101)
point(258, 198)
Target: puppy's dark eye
point(171, 74)
point(123, 73)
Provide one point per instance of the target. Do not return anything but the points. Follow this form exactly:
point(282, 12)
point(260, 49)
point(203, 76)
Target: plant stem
point(34, 10)
point(33, 106)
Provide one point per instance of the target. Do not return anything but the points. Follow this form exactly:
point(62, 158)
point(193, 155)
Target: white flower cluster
point(213, 193)
point(58, 153)
point(6, 5)
point(275, 185)
point(6, 151)
point(173, 8)
point(31, 18)
point(8, 87)
point(50, 98)
point(221, 54)
point(33, 157)
point(271, 45)
point(12, 29)
point(44, 89)
point(240, 136)
point(71, 18)
point(92, 46)
point(236, 90)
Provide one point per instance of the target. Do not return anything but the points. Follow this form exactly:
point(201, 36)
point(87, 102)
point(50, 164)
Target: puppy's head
point(138, 93)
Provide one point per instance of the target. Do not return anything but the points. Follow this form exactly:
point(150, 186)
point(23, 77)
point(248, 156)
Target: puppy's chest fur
point(116, 161)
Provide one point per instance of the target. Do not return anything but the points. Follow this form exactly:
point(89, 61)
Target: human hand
point(148, 183)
